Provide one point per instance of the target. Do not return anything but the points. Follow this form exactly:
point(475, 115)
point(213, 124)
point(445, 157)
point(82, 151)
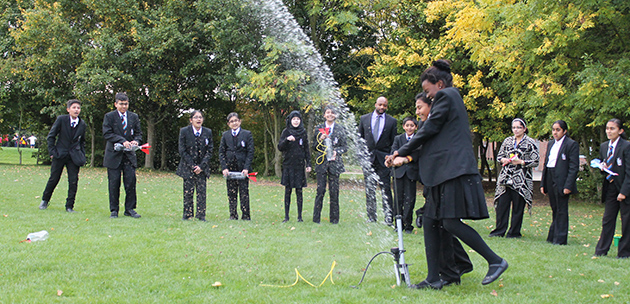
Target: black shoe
point(513, 236)
point(232, 218)
point(114, 214)
point(70, 210)
point(43, 205)
point(371, 221)
point(132, 213)
point(491, 276)
point(300, 220)
point(426, 285)
point(451, 282)
point(495, 235)
point(333, 222)
point(286, 219)
point(202, 220)
point(186, 218)
point(246, 218)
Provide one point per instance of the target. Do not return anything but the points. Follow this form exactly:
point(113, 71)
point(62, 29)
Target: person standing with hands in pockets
point(195, 149)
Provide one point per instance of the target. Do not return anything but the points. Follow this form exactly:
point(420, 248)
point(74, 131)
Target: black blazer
point(236, 157)
point(446, 141)
point(295, 154)
point(338, 138)
point(567, 166)
point(378, 150)
point(188, 152)
point(113, 133)
point(411, 168)
point(62, 143)
point(620, 165)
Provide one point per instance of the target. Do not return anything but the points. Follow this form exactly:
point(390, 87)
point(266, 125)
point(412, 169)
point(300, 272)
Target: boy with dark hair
point(66, 146)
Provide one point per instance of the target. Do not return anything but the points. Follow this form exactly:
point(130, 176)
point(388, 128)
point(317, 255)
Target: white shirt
point(614, 145)
point(330, 128)
point(195, 130)
point(235, 132)
point(123, 116)
point(75, 121)
point(553, 154)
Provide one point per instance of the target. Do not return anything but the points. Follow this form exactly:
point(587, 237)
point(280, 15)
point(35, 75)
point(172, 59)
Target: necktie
point(72, 124)
point(375, 130)
point(197, 133)
point(233, 133)
point(609, 158)
point(124, 124)
point(408, 138)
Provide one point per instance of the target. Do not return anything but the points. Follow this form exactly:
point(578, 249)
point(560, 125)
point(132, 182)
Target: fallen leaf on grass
point(604, 296)
point(617, 283)
point(6, 215)
point(600, 280)
point(369, 233)
point(59, 292)
point(217, 284)
point(494, 293)
point(292, 228)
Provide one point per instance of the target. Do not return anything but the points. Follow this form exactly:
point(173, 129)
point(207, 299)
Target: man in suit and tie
point(121, 127)
point(379, 130)
point(236, 153)
point(66, 146)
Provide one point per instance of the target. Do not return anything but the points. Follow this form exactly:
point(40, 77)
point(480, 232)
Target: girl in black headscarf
point(294, 146)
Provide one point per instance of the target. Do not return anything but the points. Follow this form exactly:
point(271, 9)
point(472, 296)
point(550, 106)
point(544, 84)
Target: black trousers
point(510, 197)
point(287, 201)
point(128, 172)
point(333, 186)
point(559, 229)
point(384, 174)
point(609, 221)
point(190, 184)
point(56, 168)
point(237, 188)
point(406, 190)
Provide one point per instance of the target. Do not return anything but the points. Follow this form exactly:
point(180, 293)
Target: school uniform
point(379, 141)
point(560, 172)
point(119, 129)
point(66, 145)
point(195, 150)
point(329, 170)
point(612, 187)
point(406, 183)
point(236, 153)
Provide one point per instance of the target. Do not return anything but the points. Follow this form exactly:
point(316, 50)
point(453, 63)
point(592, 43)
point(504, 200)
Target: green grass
point(162, 259)
point(10, 155)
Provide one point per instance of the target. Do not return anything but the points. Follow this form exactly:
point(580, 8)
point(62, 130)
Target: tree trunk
point(163, 147)
point(92, 144)
point(148, 160)
point(266, 148)
point(277, 159)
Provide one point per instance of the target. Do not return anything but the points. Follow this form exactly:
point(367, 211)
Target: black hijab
point(299, 131)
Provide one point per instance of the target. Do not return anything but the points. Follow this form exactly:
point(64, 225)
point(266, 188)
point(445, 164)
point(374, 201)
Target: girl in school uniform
point(562, 163)
point(296, 157)
point(615, 155)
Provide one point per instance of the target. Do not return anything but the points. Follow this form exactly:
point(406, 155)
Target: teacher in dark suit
point(195, 150)
point(379, 130)
point(66, 146)
point(449, 167)
point(121, 127)
point(236, 154)
point(562, 163)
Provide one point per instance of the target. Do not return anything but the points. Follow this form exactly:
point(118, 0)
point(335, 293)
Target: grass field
point(90, 258)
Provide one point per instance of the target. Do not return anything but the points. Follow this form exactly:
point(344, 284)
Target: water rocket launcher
point(144, 148)
point(241, 176)
point(596, 163)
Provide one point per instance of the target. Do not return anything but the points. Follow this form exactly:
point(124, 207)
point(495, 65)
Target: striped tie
point(124, 124)
point(609, 162)
point(72, 124)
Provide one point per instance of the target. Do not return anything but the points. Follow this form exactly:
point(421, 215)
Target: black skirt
point(461, 198)
point(294, 177)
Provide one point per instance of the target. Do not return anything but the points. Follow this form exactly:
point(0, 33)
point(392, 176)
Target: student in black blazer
point(378, 129)
point(615, 155)
point(407, 176)
point(195, 150)
point(329, 163)
point(236, 153)
point(449, 167)
point(562, 163)
point(121, 127)
point(66, 146)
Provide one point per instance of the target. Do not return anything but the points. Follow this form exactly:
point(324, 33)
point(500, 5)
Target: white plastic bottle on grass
point(37, 236)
